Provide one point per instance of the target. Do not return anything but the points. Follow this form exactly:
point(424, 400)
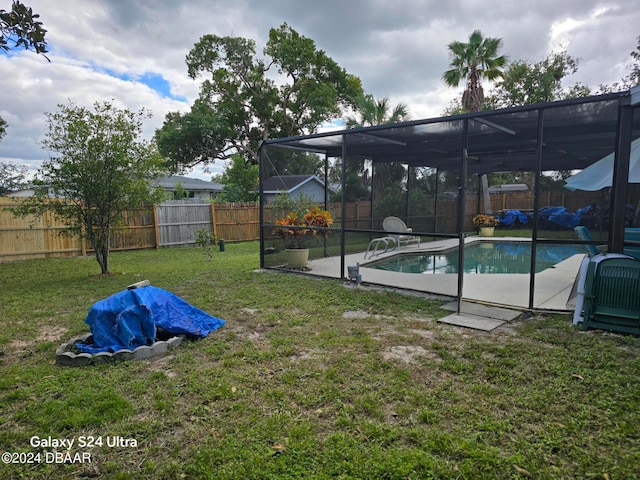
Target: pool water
point(480, 258)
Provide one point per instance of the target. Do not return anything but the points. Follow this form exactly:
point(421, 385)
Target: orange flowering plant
point(298, 231)
point(484, 220)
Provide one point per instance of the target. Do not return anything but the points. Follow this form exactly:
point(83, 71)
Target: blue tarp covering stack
point(131, 318)
point(508, 218)
point(559, 216)
point(549, 217)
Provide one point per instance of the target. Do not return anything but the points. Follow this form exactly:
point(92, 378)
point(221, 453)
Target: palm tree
point(376, 112)
point(474, 62)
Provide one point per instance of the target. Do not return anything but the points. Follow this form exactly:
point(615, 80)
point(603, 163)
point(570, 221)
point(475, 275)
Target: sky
point(132, 52)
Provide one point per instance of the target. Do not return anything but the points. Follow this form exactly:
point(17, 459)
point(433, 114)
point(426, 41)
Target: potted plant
point(486, 224)
point(299, 231)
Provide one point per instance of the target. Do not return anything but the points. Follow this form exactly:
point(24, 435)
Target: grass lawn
point(308, 379)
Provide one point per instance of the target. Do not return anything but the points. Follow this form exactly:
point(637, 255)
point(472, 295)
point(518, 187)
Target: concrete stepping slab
point(478, 316)
point(499, 313)
point(472, 321)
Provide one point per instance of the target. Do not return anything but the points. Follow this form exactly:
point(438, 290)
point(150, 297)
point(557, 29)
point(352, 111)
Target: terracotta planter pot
point(297, 257)
point(487, 231)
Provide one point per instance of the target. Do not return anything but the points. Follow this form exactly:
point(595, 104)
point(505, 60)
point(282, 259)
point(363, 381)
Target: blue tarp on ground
point(130, 318)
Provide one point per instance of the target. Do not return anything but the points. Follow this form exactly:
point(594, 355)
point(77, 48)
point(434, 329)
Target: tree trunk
point(485, 195)
point(102, 255)
point(101, 245)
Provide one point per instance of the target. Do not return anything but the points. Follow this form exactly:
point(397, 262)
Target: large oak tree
point(245, 98)
point(526, 83)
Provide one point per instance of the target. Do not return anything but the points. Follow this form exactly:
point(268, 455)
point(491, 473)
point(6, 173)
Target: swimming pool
point(484, 257)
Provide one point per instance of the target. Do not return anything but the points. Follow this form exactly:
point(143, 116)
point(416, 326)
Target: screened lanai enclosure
point(435, 175)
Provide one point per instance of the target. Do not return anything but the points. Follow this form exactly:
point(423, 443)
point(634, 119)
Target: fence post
point(213, 220)
point(155, 226)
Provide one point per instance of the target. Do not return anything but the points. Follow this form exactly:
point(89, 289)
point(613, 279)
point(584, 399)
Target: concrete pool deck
point(553, 286)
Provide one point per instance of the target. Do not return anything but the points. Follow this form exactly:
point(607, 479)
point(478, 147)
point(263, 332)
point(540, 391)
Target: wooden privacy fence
point(177, 223)
point(22, 238)
point(169, 224)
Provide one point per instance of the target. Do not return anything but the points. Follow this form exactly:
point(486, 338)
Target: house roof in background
point(288, 183)
point(188, 183)
point(509, 187)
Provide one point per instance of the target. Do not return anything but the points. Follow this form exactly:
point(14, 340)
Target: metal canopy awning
point(575, 133)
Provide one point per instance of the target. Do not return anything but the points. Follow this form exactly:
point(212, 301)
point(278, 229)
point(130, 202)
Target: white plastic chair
point(398, 230)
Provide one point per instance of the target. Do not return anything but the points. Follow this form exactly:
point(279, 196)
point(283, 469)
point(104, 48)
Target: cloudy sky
point(133, 51)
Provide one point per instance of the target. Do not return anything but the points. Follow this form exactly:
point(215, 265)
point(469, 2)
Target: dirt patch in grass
point(161, 364)
point(51, 334)
point(305, 354)
point(408, 353)
point(422, 333)
point(44, 335)
point(361, 314)
point(255, 337)
point(16, 346)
